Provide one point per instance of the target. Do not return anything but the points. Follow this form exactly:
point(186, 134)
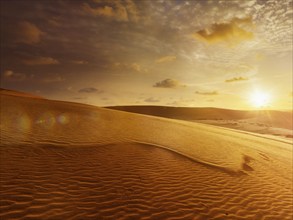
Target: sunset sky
point(178, 53)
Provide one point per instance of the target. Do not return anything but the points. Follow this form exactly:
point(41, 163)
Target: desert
point(63, 160)
point(146, 110)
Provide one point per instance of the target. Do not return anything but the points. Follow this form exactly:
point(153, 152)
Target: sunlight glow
point(260, 99)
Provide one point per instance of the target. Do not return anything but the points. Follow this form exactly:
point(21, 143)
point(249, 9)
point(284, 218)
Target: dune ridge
point(19, 94)
point(39, 125)
point(272, 118)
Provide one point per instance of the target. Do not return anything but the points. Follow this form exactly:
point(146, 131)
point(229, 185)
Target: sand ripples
point(132, 181)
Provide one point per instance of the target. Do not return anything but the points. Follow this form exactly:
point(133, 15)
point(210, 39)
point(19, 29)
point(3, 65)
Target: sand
point(64, 160)
point(268, 122)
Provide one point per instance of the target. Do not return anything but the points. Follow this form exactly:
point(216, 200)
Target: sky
point(201, 53)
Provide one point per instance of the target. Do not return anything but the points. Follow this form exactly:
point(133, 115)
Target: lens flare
point(63, 119)
point(24, 123)
point(47, 120)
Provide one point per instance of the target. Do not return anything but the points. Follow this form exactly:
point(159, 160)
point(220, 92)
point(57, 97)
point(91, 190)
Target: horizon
point(147, 105)
point(220, 54)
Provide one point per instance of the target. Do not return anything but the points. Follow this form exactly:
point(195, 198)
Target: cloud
point(105, 11)
point(235, 79)
point(168, 83)
point(165, 59)
point(116, 10)
point(28, 33)
point(136, 67)
point(233, 32)
point(90, 90)
point(175, 103)
point(207, 93)
point(11, 75)
point(79, 62)
point(41, 61)
point(151, 99)
point(132, 66)
point(132, 11)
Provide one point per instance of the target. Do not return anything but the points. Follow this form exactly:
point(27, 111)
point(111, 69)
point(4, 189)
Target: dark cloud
point(207, 93)
point(236, 79)
point(41, 61)
point(28, 33)
point(79, 62)
point(11, 75)
point(118, 13)
point(168, 83)
point(116, 10)
point(90, 90)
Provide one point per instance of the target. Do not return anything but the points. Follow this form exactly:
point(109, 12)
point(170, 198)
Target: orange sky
point(125, 52)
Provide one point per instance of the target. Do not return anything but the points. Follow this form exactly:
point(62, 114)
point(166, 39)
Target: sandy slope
point(277, 124)
point(19, 94)
point(69, 161)
point(267, 118)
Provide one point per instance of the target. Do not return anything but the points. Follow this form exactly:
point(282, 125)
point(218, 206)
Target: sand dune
point(19, 94)
point(64, 160)
point(277, 123)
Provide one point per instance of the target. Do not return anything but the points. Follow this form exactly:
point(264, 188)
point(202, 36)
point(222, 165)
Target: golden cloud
point(165, 59)
point(117, 11)
point(136, 67)
point(132, 66)
point(168, 83)
point(41, 61)
point(79, 62)
point(11, 75)
point(235, 79)
point(132, 10)
point(207, 93)
point(28, 33)
point(233, 32)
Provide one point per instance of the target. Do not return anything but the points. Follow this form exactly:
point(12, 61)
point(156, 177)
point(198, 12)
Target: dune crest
point(19, 94)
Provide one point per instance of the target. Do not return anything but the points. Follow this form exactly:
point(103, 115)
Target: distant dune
point(17, 93)
point(62, 160)
point(260, 121)
point(186, 113)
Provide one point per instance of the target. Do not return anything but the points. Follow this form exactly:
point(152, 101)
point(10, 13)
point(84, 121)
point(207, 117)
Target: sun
point(260, 99)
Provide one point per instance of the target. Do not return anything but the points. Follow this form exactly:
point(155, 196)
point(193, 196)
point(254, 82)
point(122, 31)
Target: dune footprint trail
point(69, 161)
